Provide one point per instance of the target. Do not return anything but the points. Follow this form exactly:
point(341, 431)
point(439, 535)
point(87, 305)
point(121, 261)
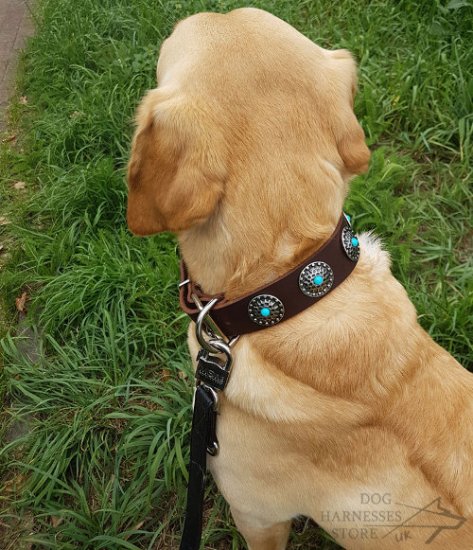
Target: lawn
point(106, 406)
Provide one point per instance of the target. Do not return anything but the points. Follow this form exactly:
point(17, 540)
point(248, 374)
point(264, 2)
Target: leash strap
point(203, 438)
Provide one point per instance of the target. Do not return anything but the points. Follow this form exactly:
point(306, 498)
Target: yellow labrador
point(348, 413)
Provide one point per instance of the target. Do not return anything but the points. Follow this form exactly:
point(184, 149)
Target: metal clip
point(214, 363)
point(205, 322)
point(214, 371)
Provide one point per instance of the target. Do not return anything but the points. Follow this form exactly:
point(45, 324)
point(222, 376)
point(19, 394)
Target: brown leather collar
point(295, 291)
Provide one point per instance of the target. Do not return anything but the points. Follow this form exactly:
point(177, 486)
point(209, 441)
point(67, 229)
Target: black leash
point(212, 375)
point(203, 424)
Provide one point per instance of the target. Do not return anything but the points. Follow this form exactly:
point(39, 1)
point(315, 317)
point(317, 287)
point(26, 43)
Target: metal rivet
point(350, 244)
point(265, 310)
point(316, 279)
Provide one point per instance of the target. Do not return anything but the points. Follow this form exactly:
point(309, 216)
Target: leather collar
point(306, 284)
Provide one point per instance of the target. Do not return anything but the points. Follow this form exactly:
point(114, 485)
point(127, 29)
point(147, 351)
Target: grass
point(102, 463)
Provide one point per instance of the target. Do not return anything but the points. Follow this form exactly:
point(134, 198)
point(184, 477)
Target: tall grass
point(102, 463)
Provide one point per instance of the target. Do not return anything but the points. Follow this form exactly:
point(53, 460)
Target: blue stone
point(318, 280)
point(348, 217)
point(354, 241)
point(265, 311)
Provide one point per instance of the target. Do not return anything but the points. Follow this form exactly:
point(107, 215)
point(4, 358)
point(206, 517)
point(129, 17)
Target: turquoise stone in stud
point(348, 217)
point(318, 280)
point(354, 241)
point(265, 311)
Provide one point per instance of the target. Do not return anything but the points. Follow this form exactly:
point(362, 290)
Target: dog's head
point(247, 112)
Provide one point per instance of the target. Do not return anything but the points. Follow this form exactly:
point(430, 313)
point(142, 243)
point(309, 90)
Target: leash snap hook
point(205, 323)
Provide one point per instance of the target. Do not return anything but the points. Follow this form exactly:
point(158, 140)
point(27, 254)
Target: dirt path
point(15, 26)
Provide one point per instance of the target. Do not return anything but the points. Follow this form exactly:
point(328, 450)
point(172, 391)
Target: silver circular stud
point(350, 244)
point(265, 310)
point(316, 279)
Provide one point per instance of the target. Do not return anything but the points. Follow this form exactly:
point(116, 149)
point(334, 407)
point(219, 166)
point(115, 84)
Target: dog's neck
point(221, 264)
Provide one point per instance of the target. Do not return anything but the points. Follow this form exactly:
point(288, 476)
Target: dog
point(348, 413)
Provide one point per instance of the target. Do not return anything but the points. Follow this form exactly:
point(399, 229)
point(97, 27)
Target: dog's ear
point(352, 147)
point(349, 134)
point(176, 171)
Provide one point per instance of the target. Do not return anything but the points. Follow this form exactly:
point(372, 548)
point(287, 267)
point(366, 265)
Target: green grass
point(103, 462)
